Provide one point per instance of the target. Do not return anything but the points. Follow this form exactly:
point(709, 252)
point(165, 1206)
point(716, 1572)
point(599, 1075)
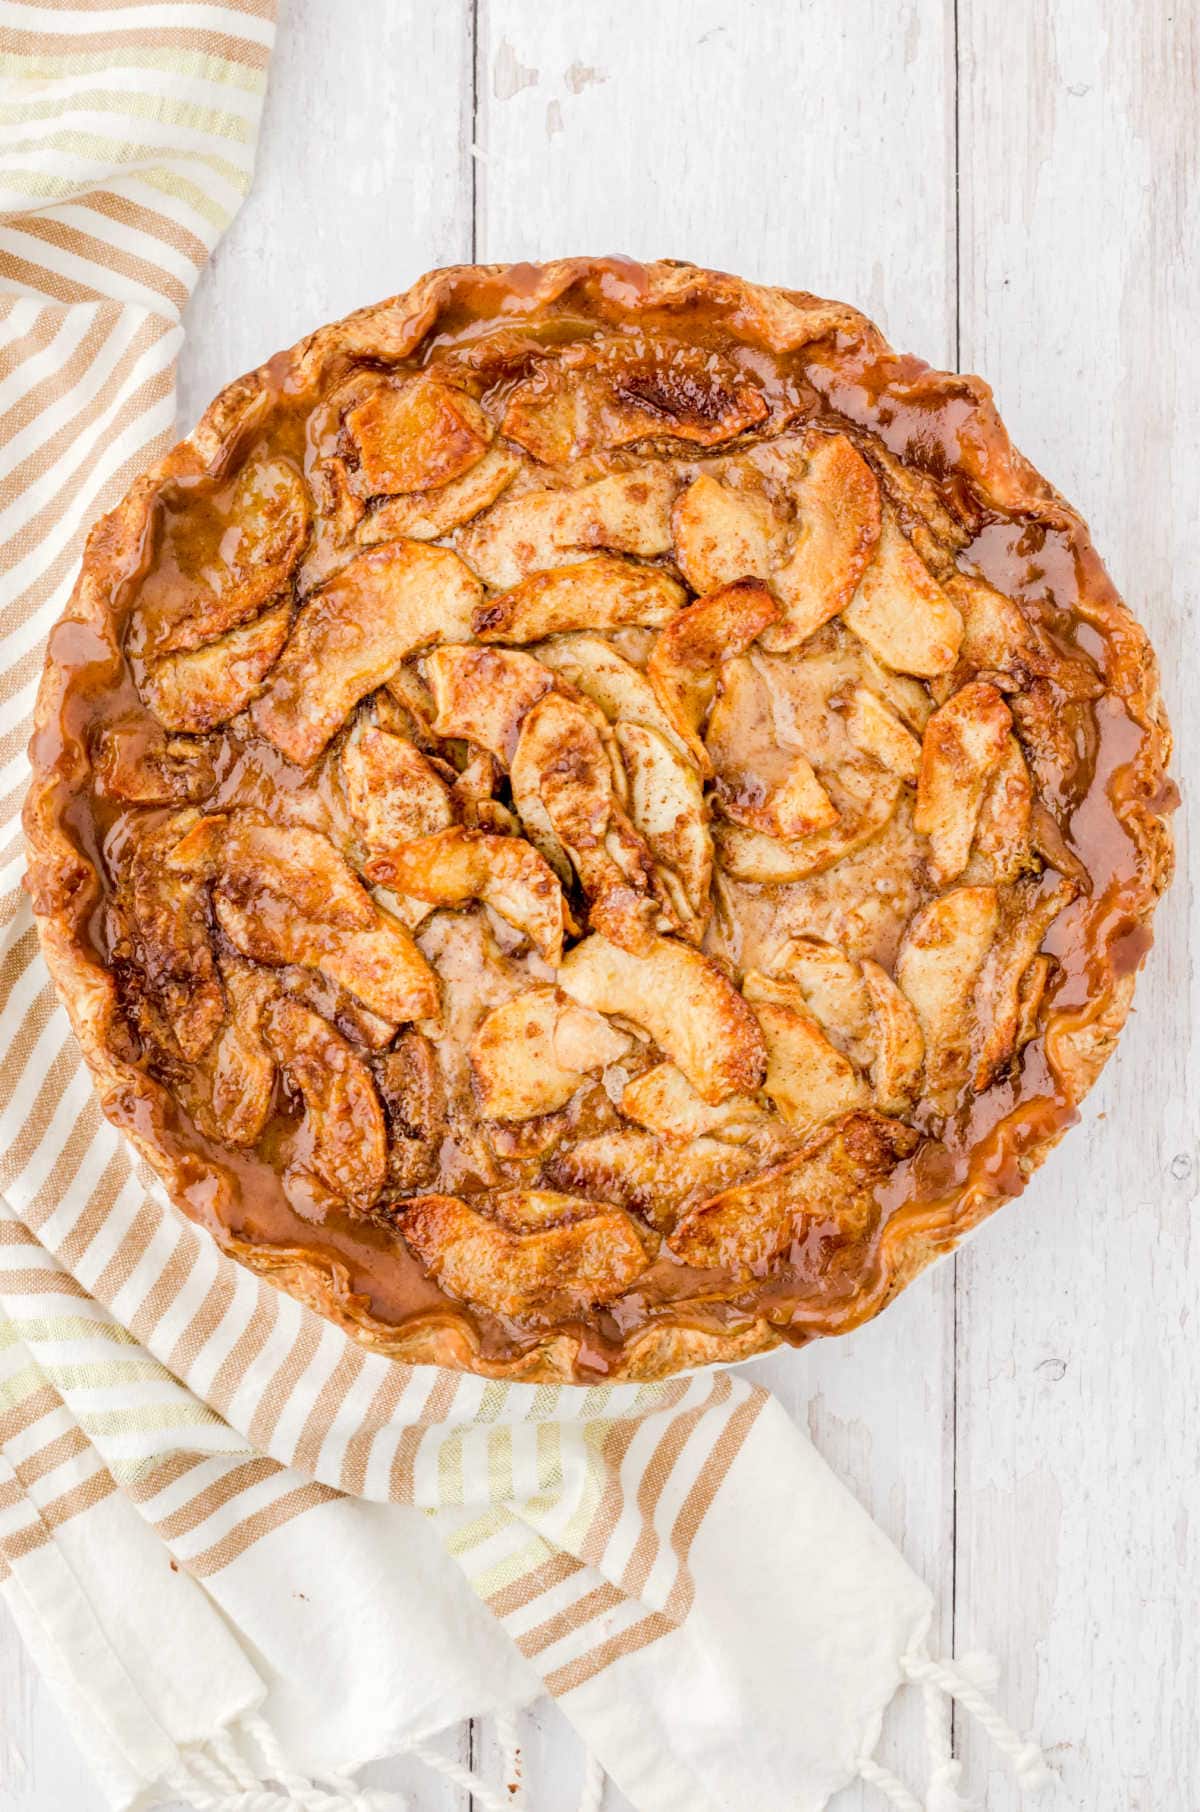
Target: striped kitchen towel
point(248, 1555)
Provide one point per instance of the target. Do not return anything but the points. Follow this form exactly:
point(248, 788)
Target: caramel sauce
point(100, 743)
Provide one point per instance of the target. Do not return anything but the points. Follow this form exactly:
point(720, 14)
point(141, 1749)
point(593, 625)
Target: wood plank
point(1079, 1372)
point(759, 139)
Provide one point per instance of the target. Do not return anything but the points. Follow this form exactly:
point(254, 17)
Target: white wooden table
point(1006, 195)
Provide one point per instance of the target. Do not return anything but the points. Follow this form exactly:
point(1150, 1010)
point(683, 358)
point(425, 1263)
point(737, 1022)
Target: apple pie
point(593, 818)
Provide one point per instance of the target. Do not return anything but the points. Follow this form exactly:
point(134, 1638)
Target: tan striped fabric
point(133, 1357)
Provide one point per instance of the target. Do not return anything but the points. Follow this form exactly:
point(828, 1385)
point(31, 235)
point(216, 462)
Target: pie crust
point(593, 819)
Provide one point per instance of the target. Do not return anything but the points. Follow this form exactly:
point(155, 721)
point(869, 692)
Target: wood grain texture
point(759, 137)
point(995, 188)
point(1079, 1356)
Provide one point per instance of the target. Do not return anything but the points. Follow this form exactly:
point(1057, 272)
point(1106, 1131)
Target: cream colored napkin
point(715, 1614)
point(243, 1550)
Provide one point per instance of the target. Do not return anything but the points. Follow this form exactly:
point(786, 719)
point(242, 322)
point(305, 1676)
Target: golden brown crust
point(936, 504)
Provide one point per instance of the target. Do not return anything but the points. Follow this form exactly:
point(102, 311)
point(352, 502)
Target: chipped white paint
point(508, 75)
point(1053, 1386)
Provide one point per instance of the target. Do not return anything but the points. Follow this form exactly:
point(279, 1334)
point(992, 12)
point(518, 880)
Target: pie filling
point(596, 811)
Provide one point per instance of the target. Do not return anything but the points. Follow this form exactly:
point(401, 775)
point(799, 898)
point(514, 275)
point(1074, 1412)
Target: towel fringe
point(967, 1682)
point(945, 1773)
point(217, 1776)
point(486, 1797)
point(889, 1784)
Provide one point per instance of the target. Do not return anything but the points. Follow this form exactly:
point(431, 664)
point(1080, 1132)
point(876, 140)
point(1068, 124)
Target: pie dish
point(592, 818)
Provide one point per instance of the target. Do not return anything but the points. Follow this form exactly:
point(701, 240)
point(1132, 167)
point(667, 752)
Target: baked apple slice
point(346, 1135)
point(878, 732)
point(830, 985)
point(1003, 847)
point(412, 1089)
point(562, 769)
point(684, 664)
point(282, 894)
point(901, 612)
point(837, 531)
point(623, 513)
point(142, 767)
point(618, 688)
point(393, 793)
point(355, 633)
point(243, 1070)
point(601, 593)
point(995, 632)
point(484, 694)
point(414, 435)
point(655, 1180)
point(937, 968)
point(531, 1053)
point(594, 397)
point(171, 939)
point(199, 688)
point(831, 1182)
point(808, 1078)
point(683, 1000)
point(455, 866)
point(667, 807)
point(537, 1254)
point(899, 1061)
point(428, 515)
point(721, 535)
point(222, 556)
point(1014, 975)
point(663, 1101)
point(963, 744)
